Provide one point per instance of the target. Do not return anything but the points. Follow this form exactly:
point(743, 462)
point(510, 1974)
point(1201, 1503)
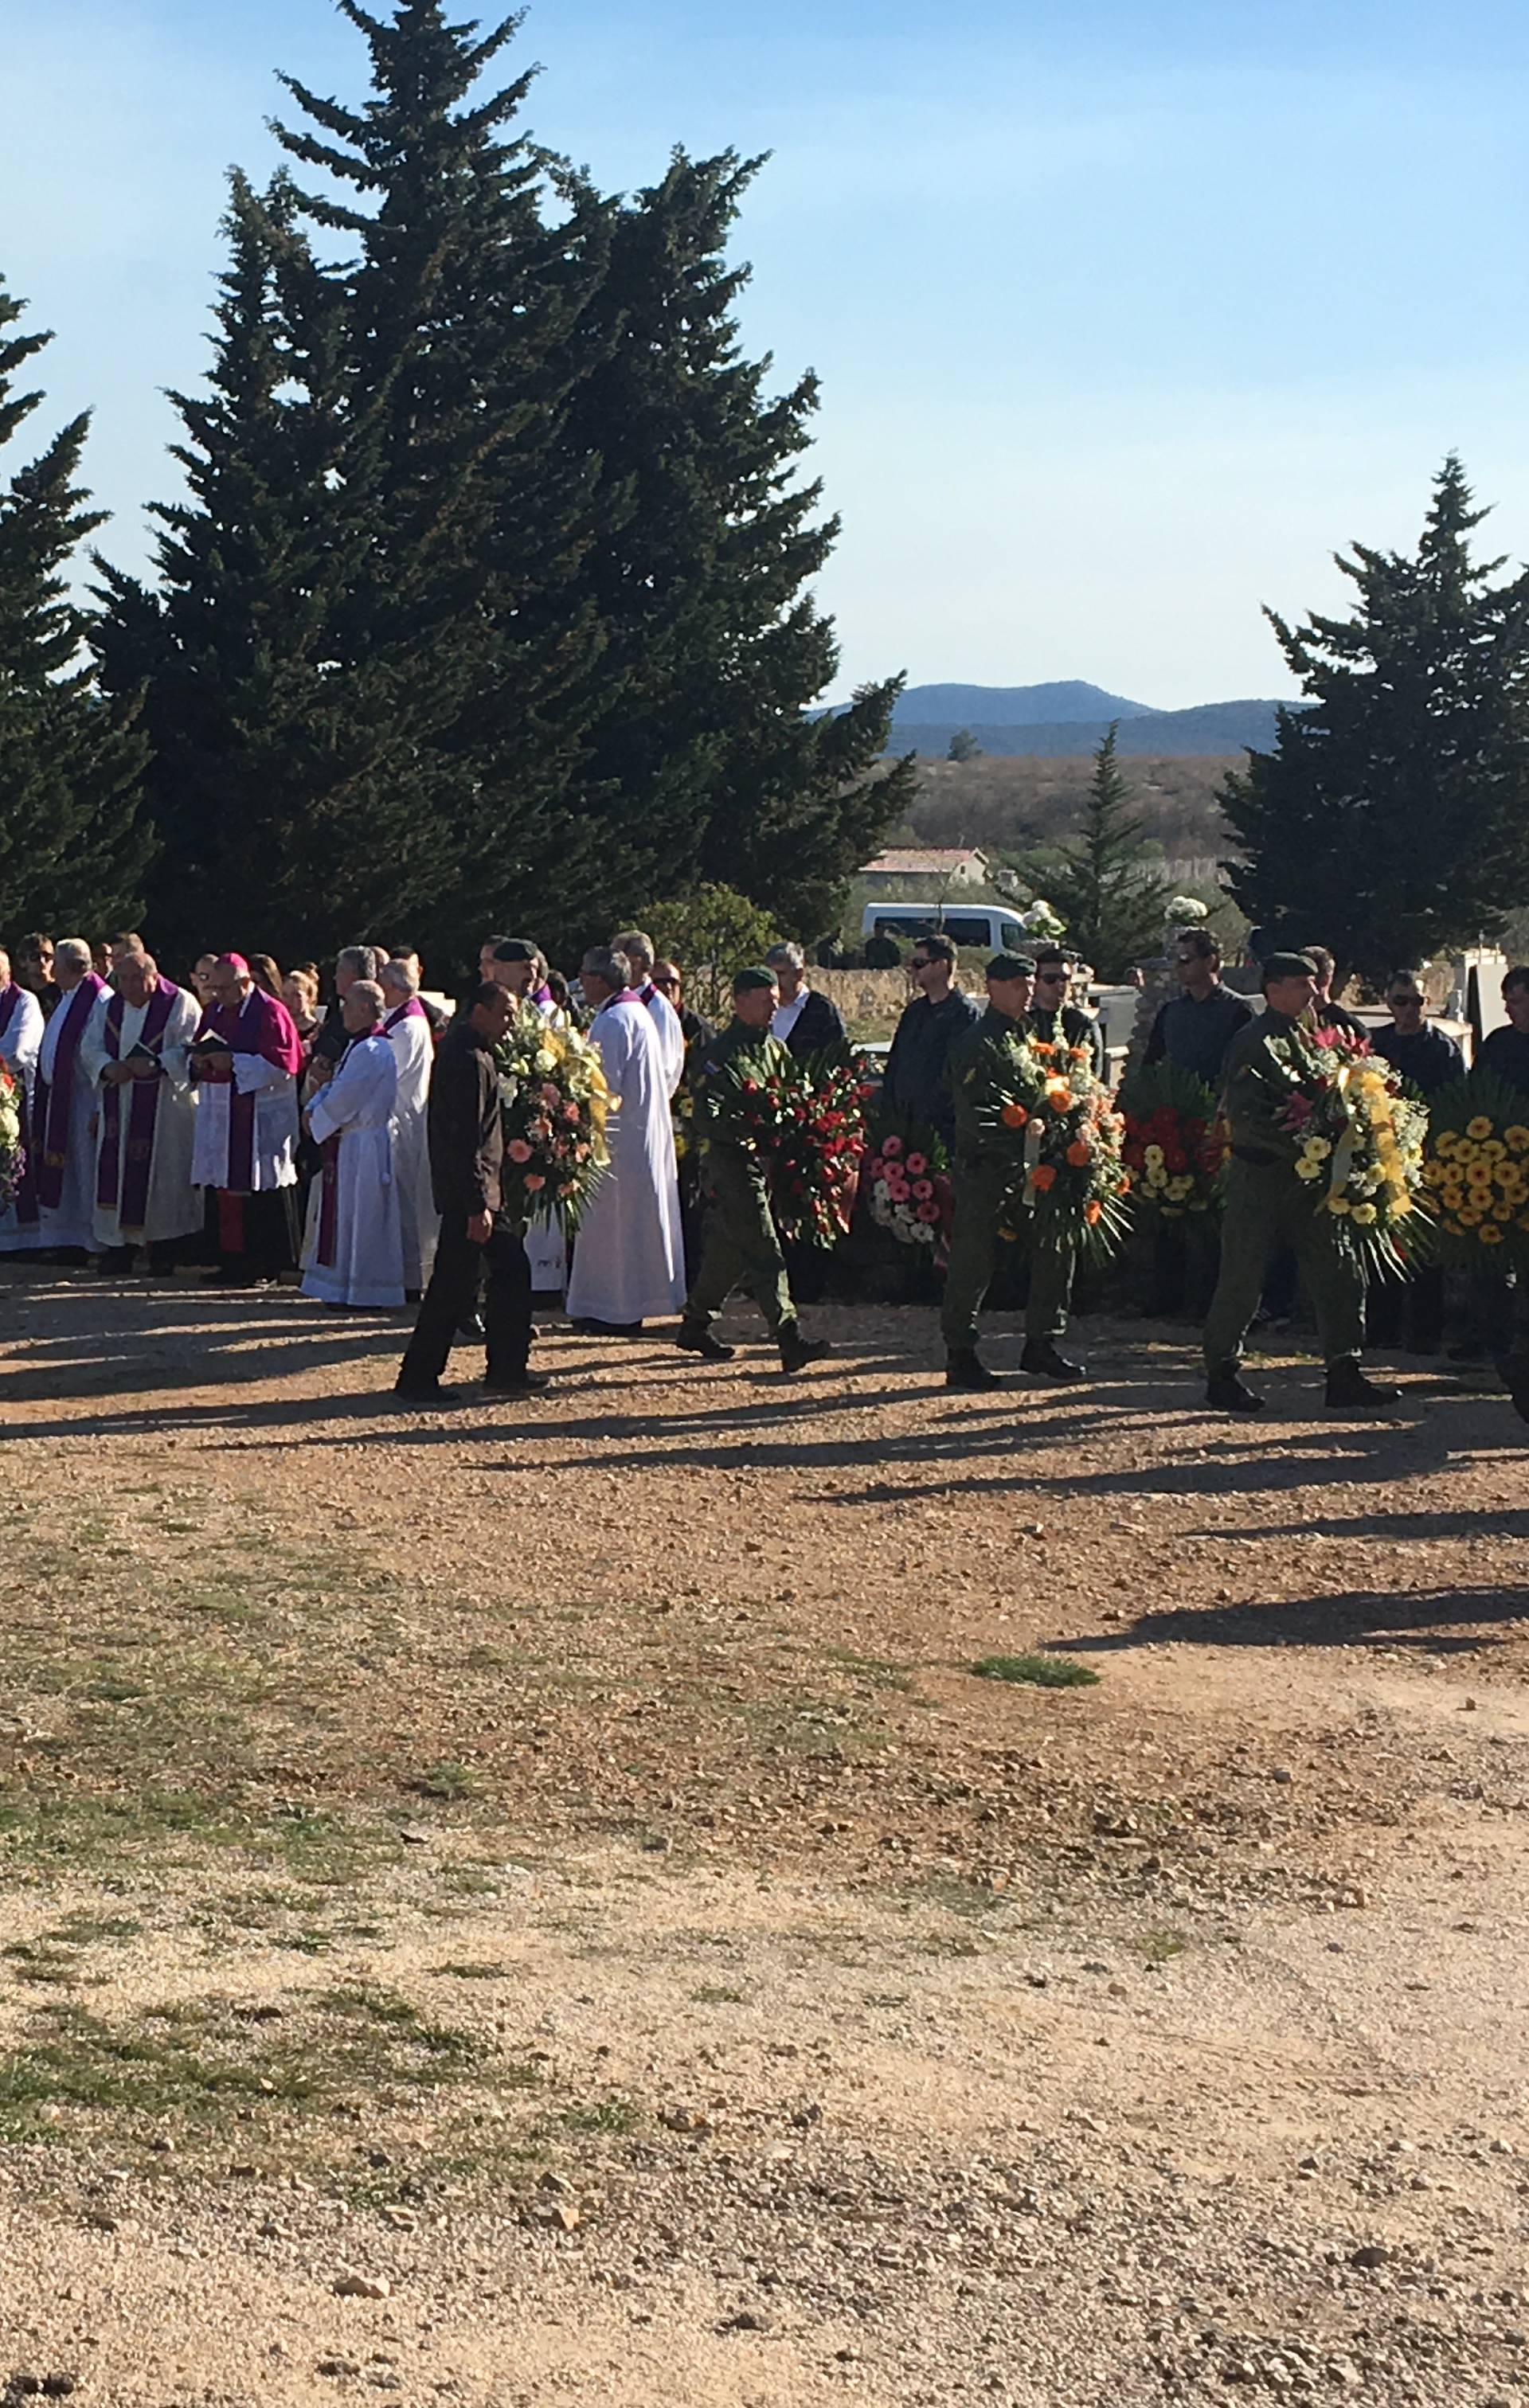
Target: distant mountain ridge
point(1017, 706)
point(1057, 721)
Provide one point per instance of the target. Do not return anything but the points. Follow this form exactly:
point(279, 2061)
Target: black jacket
point(466, 1135)
point(820, 1028)
point(1068, 1025)
point(914, 1084)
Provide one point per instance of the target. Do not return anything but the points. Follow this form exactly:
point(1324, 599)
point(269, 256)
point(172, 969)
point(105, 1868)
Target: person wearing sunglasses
point(915, 1083)
point(1056, 1020)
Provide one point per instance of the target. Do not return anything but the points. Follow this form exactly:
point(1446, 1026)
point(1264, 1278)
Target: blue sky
point(1127, 315)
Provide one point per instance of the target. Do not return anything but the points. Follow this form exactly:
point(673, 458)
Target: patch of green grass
point(715, 1994)
point(608, 2115)
point(1040, 1672)
point(196, 2063)
point(1160, 1947)
point(449, 1782)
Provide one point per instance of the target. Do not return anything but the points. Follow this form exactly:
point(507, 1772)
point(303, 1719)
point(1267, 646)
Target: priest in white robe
point(247, 1122)
point(66, 1110)
point(629, 1260)
point(354, 1255)
point(145, 1109)
point(637, 947)
point(21, 1043)
point(408, 1030)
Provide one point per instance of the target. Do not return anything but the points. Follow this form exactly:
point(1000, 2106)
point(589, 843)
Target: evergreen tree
point(964, 746)
point(1104, 885)
point(72, 849)
point(287, 782)
point(470, 323)
point(1392, 818)
point(705, 544)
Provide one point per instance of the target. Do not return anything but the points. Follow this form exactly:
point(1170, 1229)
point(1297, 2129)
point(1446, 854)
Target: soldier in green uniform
point(742, 1247)
point(980, 1059)
point(1267, 1206)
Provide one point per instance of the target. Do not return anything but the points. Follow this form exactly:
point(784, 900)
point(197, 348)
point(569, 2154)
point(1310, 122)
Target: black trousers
point(453, 1295)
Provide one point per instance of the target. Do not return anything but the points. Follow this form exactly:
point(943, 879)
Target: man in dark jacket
point(915, 1085)
point(1057, 1021)
point(806, 1023)
point(466, 1150)
point(1195, 1026)
point(1428, 1060)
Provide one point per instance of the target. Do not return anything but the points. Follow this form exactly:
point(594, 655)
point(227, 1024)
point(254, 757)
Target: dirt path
point(564, 1874)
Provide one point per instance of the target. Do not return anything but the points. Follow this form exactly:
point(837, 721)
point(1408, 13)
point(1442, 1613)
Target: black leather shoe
point(470, 1330)
point(797, 1352)
point(965, 1369)
point(1349, 1391)
point(529, 1383)
point(1228, 1395)
point(701, 1341)
point(114, 1263)
point(1044, 1362)
point(427, 1399)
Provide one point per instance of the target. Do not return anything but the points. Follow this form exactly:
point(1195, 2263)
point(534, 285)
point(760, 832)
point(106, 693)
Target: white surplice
point(175, 1208)
point(20, 1047)
point(273, 1156)
point(414, 1049)
point(671, 1034)
point(629, 1262)
point(357, 1106)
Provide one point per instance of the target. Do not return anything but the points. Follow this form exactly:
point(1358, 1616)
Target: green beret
point(1284, 966)
point(754, 977)
point(1011, 965)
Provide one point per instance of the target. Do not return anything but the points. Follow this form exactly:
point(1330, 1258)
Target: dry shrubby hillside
point(1016, 803)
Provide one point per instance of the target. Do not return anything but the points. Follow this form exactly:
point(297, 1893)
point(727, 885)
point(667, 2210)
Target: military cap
point(1284, 966)
point(753, 976)
point(1011, 965)
point(515, 948)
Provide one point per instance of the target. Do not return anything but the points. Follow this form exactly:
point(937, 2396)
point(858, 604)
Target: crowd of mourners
point(239, 1123)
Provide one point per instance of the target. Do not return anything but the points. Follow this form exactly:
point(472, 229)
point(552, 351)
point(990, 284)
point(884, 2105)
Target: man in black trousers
point(466, 1150)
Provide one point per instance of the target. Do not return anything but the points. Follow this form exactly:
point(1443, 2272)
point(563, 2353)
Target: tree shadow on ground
point(1421, 1618)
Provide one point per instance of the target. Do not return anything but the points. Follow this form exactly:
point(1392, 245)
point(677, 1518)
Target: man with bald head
point(135, 1057)
point(353, 1260)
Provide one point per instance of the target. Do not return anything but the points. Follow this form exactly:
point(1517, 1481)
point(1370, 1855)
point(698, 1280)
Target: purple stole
point(26, 1187)
point(251, 1030)
point(412, 1009)
point(130, 1201)
point(55, 1094)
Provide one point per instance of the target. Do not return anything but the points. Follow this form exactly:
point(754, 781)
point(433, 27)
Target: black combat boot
point(797, 1352)
point(965, 1369)
point(1228, 1395)
point(692, 1340)
point(1043, 1361)
point(1350, 1392)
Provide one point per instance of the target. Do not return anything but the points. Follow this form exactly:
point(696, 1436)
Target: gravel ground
point(527, 1908)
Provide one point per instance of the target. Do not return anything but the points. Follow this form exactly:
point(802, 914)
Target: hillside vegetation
point(1016, 804)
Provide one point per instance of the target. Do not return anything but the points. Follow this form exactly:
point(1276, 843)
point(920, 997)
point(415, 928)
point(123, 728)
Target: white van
point(989, 929)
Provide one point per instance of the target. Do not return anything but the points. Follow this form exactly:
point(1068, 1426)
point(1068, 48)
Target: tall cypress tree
point(468, 336)
point(1104, 885)
point(705, 548)
point(1392, 818)
point(286, 780)
point(72, 846)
